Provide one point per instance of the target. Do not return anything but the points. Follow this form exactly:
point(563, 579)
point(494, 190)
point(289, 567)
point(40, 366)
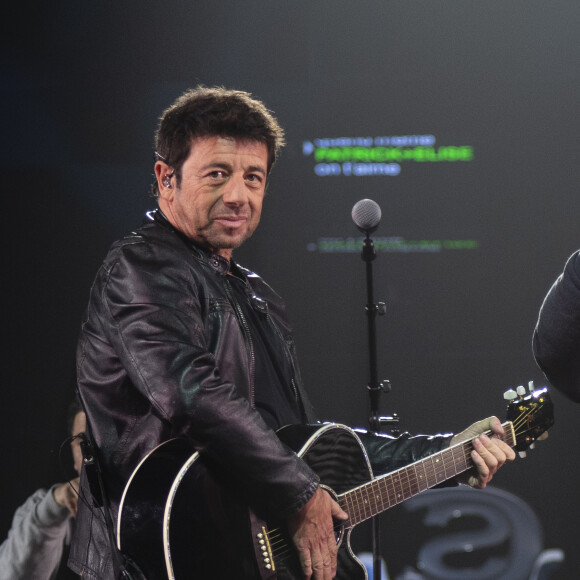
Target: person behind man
point(179, 340)
point(42, 527)
point(556, 340)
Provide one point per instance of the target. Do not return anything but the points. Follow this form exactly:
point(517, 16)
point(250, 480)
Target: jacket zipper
point(248, 335)
point(288, 356)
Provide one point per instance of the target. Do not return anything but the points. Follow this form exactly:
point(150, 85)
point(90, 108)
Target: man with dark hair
point(556, 341)
point(42, 527)
point(180, 341)
point(205, 112)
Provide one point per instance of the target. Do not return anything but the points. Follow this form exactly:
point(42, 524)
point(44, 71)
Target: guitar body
point(178, 519)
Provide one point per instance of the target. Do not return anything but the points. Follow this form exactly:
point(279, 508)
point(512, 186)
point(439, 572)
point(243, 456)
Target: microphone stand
point(372, 309)
point(374, 387)
point(368, 255)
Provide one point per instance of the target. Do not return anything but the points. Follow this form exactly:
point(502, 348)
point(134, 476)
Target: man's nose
point(235, 192)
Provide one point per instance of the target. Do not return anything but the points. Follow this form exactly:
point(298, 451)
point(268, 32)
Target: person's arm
point(556, 340)
point(34, 546)
point(157, 323)
point(387, 453)
point(67, 495)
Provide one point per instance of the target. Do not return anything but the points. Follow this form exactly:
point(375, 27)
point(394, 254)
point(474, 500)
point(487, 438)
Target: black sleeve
point(556, 340)
point(388, 453)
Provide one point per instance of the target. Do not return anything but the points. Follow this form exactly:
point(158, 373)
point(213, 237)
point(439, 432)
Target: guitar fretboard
point(388, 490)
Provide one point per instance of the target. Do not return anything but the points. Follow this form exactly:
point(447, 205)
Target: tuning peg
point(522, 454)
point(521, 390)
point(509, 395)
point(531, 386)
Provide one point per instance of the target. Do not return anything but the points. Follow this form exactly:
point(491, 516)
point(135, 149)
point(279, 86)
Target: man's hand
point(66, 496)
point(489, 453)
point(312, 531)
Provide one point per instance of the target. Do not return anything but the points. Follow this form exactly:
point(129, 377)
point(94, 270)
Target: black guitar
point(179, 519)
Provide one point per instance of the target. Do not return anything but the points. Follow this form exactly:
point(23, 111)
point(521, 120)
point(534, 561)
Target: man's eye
point(217, 174)
point(255, 178)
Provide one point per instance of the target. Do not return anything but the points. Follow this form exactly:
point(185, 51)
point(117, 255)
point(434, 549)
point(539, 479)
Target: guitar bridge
point(265, 550)
point(264, 557)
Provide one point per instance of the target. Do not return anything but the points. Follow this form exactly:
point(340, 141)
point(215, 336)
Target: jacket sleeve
point(387, 453)
point(155, 323)
point(556, 340)
point(34, 546)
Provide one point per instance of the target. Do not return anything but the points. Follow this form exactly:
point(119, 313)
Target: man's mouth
point(234, 221)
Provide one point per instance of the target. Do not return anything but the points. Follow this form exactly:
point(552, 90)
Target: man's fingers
point(498, 448)
point(483, 467)
point(322, 568)
point(488, 455)
point(324, 560)
point(305, 562)
point(333, 550)
point(338, 513)
point(312, 530)
point(495, 426)
point(489, 452)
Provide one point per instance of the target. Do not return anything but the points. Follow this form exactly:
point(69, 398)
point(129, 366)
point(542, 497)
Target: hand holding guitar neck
point(489, 452)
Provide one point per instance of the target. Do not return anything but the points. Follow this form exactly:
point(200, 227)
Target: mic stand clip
point(379, 308)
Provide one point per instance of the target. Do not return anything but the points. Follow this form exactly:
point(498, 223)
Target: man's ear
point(164, 175)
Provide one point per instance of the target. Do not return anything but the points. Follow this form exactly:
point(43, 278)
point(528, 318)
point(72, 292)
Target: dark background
point(83, 85)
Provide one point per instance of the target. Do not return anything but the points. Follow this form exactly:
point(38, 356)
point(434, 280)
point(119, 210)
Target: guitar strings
point(523, 418)
point(408, 476)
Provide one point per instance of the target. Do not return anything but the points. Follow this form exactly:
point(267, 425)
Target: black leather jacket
point(164, 352)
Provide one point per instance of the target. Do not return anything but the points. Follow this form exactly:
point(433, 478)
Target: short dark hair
point(207, 112)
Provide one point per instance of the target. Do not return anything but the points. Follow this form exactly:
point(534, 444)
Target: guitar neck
point(386, 491)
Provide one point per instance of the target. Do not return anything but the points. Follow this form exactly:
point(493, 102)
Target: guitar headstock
point(531, 413)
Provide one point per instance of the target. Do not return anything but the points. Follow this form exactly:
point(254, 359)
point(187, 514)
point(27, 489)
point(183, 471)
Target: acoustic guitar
point(181, 518)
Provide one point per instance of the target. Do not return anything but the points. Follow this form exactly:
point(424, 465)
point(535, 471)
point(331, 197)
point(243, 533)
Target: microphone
point(366, 214)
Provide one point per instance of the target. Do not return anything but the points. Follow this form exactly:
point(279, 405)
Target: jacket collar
point(215, 261)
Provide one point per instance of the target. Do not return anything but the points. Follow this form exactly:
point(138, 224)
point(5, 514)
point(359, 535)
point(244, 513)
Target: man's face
point(219, 201)
point(79, 426)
